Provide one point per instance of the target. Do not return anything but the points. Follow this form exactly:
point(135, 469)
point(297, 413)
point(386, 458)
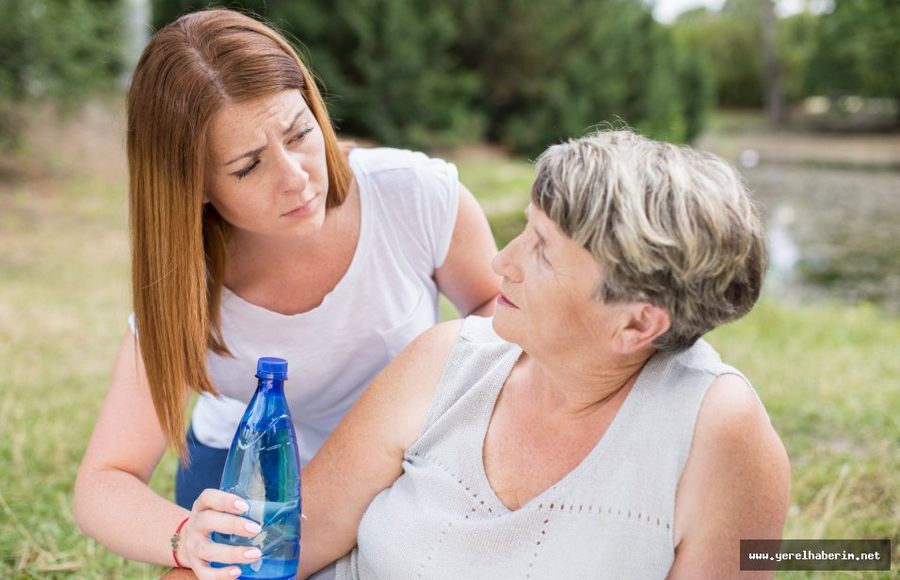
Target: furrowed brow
point(253, 153)
point(294, 122)
point(258, 150)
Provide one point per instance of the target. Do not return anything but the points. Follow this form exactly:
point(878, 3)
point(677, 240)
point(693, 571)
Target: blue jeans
point(205, 470)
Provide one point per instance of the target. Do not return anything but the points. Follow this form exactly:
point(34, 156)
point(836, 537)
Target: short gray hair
point(669, 225)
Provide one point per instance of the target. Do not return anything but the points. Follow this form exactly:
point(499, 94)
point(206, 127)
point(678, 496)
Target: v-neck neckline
point(604, 442)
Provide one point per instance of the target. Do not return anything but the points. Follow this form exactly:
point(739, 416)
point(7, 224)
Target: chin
point(311, 224)
point(504, 327)
point(309, 228)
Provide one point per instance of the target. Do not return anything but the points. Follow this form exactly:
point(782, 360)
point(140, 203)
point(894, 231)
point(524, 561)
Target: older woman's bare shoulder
point(735, 484)
point(431, 348)
point(733, 429)
point(398, 399)
point(416, 371)
point(730, 398)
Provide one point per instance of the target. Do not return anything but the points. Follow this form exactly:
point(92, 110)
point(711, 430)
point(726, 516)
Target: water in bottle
point(263, 467)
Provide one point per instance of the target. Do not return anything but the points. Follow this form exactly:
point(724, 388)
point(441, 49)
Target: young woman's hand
point(217, 511)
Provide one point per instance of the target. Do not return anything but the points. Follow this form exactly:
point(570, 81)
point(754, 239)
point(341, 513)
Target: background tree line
point(440, 72)
point(854, 49)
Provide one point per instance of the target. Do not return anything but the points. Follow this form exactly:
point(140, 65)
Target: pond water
point(831, 202)
point(832, 232)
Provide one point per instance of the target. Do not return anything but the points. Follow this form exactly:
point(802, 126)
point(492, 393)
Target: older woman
point(587, 431)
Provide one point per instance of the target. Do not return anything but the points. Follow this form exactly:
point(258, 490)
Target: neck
point(271, 385)
point(254, 257)
point(579, 390)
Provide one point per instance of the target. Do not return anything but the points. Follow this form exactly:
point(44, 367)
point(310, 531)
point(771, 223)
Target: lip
point(304, 209)
point(504, 301)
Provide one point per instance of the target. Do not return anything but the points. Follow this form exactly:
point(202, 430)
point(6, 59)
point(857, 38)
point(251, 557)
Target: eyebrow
point(541, 238)
point(258, 150)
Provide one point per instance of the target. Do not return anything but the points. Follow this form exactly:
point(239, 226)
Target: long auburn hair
point(187, 72)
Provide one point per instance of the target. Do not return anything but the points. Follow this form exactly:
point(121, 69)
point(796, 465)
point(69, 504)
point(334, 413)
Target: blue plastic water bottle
point(263, 468)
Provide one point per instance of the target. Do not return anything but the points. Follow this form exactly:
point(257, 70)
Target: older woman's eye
point(539, 251)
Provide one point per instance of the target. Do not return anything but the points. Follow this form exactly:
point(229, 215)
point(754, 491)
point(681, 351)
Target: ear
point(641, 324)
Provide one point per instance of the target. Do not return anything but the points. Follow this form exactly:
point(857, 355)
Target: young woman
point(254, 234)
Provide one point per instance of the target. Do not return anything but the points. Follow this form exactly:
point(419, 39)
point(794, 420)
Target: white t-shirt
point(388, 296)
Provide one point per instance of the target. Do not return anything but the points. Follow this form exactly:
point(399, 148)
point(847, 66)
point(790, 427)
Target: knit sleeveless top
point(610, 517)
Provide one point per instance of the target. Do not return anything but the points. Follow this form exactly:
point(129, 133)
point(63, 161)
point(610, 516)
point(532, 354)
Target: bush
point(730, 44)
point(556, 69)
point(54, 49)
point(857, 50)
point(429, 73)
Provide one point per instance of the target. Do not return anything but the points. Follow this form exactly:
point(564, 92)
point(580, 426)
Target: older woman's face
point(548, 281)
point(267, 173)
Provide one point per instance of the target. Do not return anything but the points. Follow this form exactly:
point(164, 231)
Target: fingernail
point(253, 527)
point(253, 553)
point(303, 517)
point(241, 505)
point(235, 572)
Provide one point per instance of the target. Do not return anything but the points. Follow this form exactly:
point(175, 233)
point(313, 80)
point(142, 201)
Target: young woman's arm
point(113, 503)
point(736, 484)
point(466, 277)
point(364, 455)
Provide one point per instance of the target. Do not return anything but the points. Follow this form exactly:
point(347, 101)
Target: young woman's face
point(267, 173)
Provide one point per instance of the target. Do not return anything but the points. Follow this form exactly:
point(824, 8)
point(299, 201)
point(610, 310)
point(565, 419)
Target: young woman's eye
point(246, 171)
point(300, 135)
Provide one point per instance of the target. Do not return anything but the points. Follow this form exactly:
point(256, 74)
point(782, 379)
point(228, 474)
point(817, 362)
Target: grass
point(827, 373)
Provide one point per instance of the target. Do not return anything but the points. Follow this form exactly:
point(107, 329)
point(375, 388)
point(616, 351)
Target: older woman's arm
point(736, 484)
point(365, 453)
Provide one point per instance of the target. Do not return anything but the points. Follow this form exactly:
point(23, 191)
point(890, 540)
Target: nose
point(506, 264)
point(293, 177)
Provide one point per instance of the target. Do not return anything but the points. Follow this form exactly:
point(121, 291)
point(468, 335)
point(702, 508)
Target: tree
point(696, 73)
point(432, 72)
point(858, 50)
point(771, 64)
point(729, 42)
point(59, 50)
point(385, 66)
point(555, 69)
point(795, 40)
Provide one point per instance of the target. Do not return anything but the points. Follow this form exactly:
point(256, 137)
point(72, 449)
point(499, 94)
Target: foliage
point(731, 42)
point(385, 65)
point(795, 39)
point(555, 69)
point(389, 68)
point(857, 50)
point(55, 49)
point(696, 73)
point(430, 73)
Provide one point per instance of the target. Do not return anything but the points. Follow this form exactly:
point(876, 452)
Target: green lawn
point(827, 373)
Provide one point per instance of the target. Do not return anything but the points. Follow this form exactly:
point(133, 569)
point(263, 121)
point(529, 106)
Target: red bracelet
point(176, 537)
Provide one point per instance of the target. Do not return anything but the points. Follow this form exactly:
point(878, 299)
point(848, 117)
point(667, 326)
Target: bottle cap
point(269, 367)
